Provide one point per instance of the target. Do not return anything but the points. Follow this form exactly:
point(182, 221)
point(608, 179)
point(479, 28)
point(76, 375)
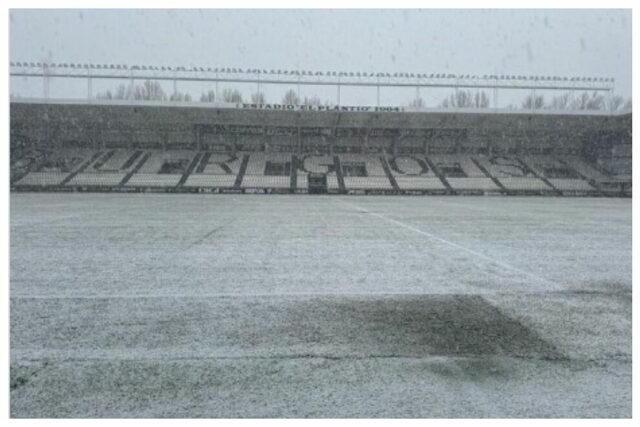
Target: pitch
point(154, 305)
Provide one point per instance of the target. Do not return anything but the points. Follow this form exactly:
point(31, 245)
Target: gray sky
point(538, 42)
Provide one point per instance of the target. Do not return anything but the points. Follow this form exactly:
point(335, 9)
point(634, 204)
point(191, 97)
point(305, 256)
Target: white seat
point(523, 184)
point(367, 183)
point(207, 180)
point(473, 183)
point(153, 180)
point(43, 178)
point(97, 179)
point(571, 184)
point(418, 183)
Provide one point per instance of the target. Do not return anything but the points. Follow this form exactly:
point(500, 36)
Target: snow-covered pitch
point(170, 305)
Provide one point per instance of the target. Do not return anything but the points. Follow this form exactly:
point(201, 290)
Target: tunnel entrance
point(317, 183)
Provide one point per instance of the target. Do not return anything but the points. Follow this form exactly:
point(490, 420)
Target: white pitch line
point(327, 293)
point(455, 245)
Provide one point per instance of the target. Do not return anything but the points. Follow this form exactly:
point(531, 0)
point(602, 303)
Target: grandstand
point(240, 148)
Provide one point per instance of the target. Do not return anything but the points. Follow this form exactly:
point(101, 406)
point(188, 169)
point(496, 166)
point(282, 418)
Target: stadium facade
point(130, 146)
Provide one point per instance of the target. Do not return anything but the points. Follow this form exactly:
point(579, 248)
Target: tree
point(417, 103)
point(585, 101)
point(313, 101)
point(481, 100)
point(615, 103)
point(580, 102)
point(180, 97)
point(121, 92)
point(466, 99)
point(291, 98)
point(150, 90)
point(210, 96)
point(560, 102)
point(596, 102)
point(533, 102)
point(257, 98)
point(231, 95)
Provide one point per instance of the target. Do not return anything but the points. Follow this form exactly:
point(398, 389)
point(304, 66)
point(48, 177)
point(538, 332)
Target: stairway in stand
point(241, 172)
point(189, 170)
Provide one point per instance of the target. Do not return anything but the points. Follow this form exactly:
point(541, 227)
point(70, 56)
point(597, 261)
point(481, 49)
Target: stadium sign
point(340, 108)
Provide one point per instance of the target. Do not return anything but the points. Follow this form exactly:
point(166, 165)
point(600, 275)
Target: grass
point(290, 305)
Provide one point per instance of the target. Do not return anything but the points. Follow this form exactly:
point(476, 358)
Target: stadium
point(234, 259)
point(246, 147)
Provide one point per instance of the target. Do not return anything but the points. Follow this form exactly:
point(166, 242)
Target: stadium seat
point(219, 171)
point(256, 177)
point(375, 177)
point(512, 174)
point(462, 173)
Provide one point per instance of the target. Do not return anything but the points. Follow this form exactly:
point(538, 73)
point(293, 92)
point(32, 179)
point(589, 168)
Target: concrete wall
point(50, 125)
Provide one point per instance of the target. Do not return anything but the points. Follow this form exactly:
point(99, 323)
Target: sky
point(521, 42)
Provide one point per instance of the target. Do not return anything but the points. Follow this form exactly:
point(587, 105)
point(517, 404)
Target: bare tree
point(417, 103)
point(121, 92)
point(585, 101)
point(481, 100)
point(615, 103)
point(257, 98)
point(596, 102)
point(291, 98)
point(313, 101)
point(231, 95)
point(560, 102)
point(181, 97)
point(580, 101)
point(533, 102)
point(466, 99)
point(150, 90)
point(209, 96)
point(627, 105)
